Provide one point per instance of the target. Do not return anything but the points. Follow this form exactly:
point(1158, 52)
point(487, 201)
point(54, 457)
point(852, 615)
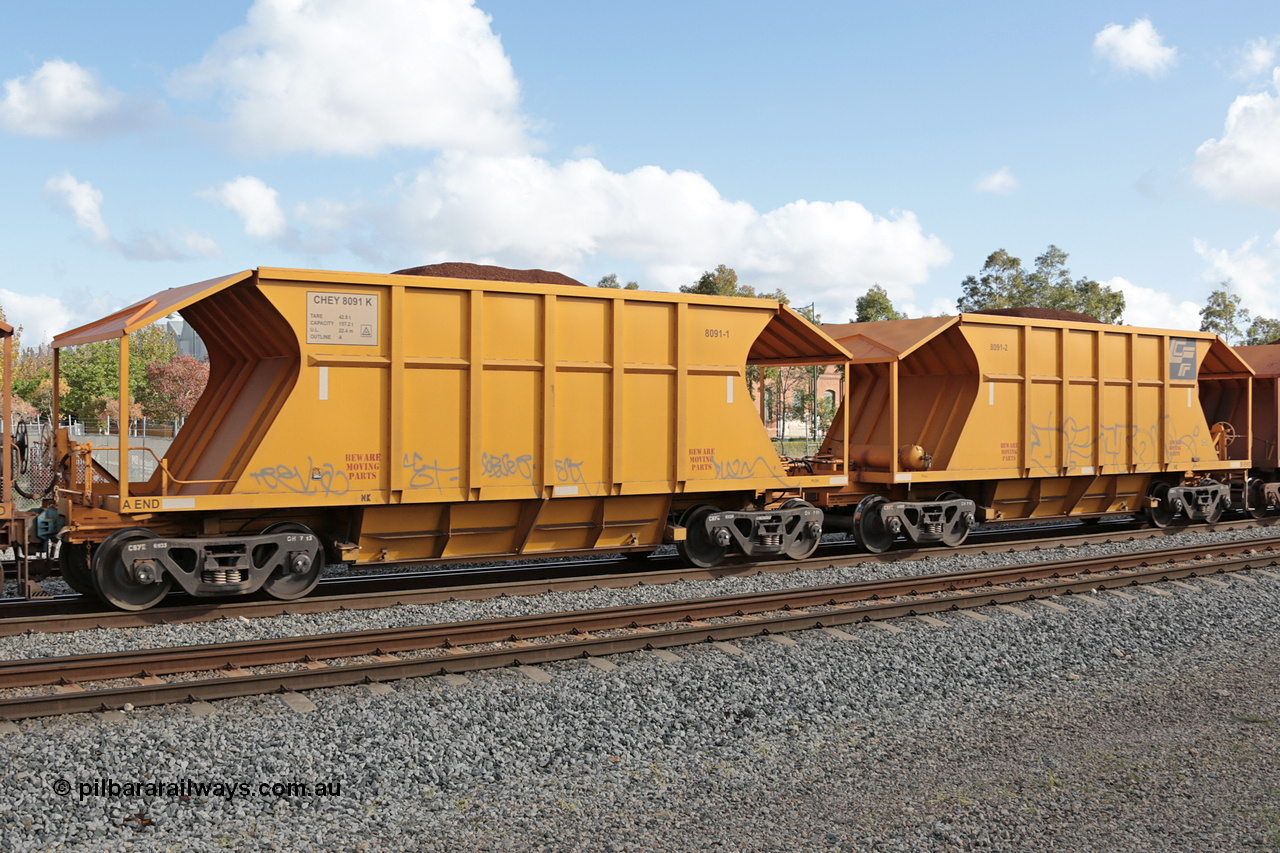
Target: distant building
point(828, 383)
point(189, 342)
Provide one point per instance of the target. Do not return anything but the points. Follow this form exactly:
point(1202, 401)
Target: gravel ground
point(1147, 723)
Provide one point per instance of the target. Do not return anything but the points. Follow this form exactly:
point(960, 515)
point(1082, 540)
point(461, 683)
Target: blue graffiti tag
point(570, 471)
point(325, 478)
point(504, 466)
point(428, 475)
point(1079, 442)
point(741, 469)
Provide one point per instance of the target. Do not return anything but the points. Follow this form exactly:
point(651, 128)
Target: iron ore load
point(460, 413)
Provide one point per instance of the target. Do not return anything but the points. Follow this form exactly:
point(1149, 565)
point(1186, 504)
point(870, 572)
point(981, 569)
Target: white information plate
point(342, 318)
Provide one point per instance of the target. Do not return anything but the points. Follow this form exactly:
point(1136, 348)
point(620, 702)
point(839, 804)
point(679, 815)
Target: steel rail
point(840, 604)
point(72, 613)
point(995, 533)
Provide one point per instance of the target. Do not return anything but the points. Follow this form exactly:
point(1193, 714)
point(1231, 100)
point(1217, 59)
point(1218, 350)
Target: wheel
point(869, 528)
point(805, 544)
point(285, 584)
point(111, 581)
point(1219, 506)
point(74, 562)
point(1257, 492)
point(958, 532)
point(697, 548)
point(1160, 515)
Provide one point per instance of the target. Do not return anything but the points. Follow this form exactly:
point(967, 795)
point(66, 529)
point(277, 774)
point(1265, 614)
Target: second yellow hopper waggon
point(1031, 417)
point(375, 418)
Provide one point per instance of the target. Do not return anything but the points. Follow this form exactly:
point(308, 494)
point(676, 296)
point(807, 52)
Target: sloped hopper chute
point(253, 364)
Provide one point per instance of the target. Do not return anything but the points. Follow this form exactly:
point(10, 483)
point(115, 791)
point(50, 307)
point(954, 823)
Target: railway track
point(391, 654)
point(361, 592)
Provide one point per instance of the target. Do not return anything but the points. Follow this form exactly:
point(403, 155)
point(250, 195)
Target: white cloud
point(83, 201)
point(525, 211)
point(1155, 309)
point(257, 204)
point(338, 77)
point(1001, 182)
point(326, 76)
point(1257, 57)
point(41, 316)
point(1137, 47)
point(170, 246)
point(939, 305)
point(1252, 269)
point(1245, 163)
point(61, 100)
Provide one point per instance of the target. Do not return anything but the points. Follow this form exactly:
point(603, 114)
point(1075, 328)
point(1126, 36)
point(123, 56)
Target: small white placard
point(349, 319)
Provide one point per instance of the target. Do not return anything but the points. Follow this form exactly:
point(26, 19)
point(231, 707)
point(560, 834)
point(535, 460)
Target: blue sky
point(817, 147)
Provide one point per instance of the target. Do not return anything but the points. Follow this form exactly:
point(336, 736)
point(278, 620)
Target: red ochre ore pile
point(484, 272)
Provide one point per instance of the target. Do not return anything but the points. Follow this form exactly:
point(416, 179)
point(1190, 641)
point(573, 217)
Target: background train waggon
point(1033, 418)
point(1265, 428)
point(18, 526)
point(423, 418)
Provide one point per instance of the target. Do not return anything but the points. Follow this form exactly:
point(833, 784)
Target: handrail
point(163, 464)
point(166, 477)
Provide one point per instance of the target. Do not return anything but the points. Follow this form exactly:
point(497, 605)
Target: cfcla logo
point(1182, 358)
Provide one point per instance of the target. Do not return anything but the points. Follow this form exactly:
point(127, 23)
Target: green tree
point(33, 377)
point(92, 371)
point(1222, 314)
point(1263, 330)
point(611, 281)
point(874, 305)
point(1051, 287)
point(31, 367)
point(723, 281)
point(1001, 284)
point(1004, 283)
point(42, 396)
point(1098, 300)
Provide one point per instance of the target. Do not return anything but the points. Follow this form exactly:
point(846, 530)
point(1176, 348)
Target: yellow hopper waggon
point(375, 418)
point(999, 416)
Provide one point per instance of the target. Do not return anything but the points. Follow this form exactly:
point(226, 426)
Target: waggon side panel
point(1010, 398)
point(1084, 400)
point(452, 390)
